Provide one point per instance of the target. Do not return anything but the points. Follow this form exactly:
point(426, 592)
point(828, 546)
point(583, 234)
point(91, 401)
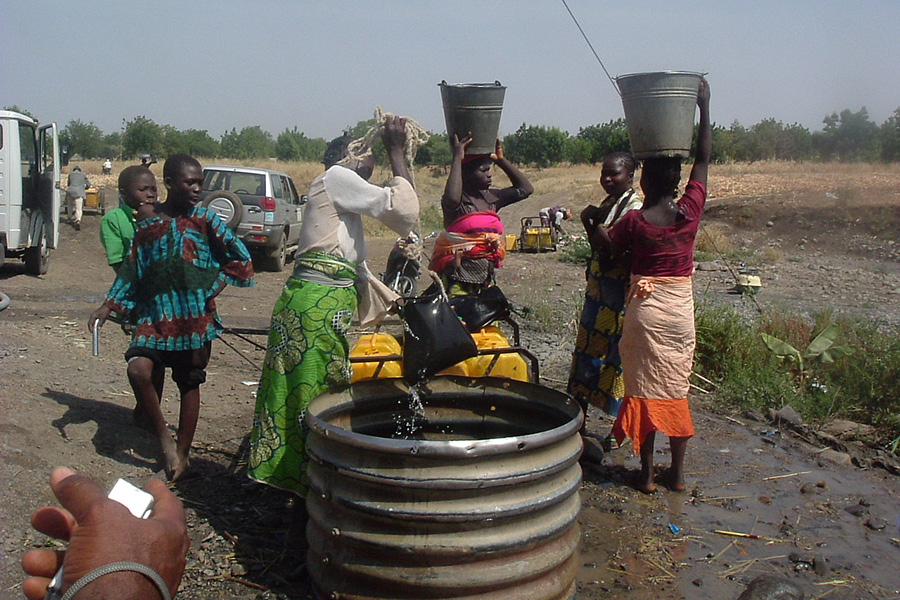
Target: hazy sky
point(325, 65)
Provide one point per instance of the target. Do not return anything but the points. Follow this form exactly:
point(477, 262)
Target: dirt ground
point(828, 521)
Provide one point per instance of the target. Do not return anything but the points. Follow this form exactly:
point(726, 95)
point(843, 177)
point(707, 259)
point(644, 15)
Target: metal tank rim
point(331, 402)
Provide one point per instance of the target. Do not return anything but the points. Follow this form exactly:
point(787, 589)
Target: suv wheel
point(227, 205)
point(278, 257)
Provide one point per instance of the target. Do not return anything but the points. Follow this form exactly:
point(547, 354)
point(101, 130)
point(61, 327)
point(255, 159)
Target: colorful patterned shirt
point(168, 280)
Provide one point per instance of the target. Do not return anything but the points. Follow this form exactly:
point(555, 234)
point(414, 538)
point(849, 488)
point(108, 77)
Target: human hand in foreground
point(101, 314)
point(498, 151)
point(101, 531)
point(394, 134)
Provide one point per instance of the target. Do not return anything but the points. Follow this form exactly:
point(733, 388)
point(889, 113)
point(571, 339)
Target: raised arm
point(453, 189)
point(700, 170)
point(394, 138)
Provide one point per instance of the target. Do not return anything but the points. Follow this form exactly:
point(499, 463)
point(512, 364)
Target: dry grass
point(846, 182)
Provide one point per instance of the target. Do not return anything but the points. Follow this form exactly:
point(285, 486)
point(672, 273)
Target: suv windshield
point(239, 183)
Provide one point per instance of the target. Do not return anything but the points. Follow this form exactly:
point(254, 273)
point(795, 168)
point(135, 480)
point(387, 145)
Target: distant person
point(180, 260)
point(107, 167)
point(658, 336)
point(596, 374)
point(308, 350)
point(76, 191)
point(102, 532)
point(554, 216)
point(472, 246)
point(137, 193)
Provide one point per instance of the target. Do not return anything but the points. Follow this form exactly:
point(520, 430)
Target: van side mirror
point(304, 199)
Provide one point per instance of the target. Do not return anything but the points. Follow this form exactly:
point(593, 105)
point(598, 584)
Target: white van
point(29, 190)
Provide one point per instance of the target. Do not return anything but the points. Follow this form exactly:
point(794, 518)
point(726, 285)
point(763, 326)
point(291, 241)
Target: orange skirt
point(657, 350)
point(639, 417)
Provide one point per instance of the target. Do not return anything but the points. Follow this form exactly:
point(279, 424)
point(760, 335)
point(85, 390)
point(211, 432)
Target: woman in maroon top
point(658, 336)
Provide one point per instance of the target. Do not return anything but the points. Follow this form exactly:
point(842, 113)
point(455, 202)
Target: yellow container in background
point(538, 237)
point(510, 365)
point(376, 344)
point(511, 241)
point(92, 198)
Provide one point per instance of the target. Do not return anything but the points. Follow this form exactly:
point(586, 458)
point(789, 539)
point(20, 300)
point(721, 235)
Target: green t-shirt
point(116, 233)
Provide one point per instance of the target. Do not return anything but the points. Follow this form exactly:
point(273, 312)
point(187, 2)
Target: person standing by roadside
point(658, 336)
point(596, 374)
point(76, 190)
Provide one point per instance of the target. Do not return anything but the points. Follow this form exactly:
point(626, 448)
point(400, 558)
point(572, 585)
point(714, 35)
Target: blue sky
point(324, 65)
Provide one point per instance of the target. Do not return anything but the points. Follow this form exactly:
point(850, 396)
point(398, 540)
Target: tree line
point(846, 137)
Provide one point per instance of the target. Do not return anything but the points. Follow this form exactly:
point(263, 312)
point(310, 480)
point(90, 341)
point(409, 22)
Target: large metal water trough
point(479, 501)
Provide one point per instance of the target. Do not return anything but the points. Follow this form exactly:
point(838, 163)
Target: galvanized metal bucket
point(659, 110)
point(478, 500)
point(473, 108)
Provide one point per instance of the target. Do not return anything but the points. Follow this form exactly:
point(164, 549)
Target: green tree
point(293, 144)
point(112, 145)
point(141, 136)
point(602, 140)
point(15, 108)
point(536, 144)
point(435, 152)
point(172, 140)
point(83, 138)
point(848, 137)
point(250, 143)
point(198, 142)
point(890, 138)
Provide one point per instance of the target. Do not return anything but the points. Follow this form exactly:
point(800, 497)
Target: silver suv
point(262, 206)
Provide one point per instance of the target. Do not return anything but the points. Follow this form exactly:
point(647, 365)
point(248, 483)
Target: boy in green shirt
point(137, 189)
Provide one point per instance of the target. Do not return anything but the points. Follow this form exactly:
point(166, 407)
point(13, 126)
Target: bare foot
point(170, 455)
point(643, 482)
point(675, 485)
point(183, 467)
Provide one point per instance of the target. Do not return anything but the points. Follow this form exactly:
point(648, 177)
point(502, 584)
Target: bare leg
point(141, 376)
point(138, 416)
point(187, 425)
point(676, 473)
point(645, 481)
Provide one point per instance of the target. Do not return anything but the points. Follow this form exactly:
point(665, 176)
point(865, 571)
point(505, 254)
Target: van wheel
point(227, 205)
point(37, 258)
point(278, 257)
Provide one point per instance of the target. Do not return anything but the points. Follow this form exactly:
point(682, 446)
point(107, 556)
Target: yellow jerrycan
point(375, 344)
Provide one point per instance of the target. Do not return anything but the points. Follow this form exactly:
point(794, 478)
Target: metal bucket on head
point(659, 111)
point(473, 108)
point(478, 499)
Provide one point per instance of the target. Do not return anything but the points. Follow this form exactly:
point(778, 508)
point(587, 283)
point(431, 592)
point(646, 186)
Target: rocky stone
point(708, 265)
point(876, 524)
point(771, 587)
point(789, 416)
point(857, 510)
point(753, 415)
point(833, 456)
point(848, 430)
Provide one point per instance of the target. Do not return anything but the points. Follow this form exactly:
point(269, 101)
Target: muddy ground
point(826, 520)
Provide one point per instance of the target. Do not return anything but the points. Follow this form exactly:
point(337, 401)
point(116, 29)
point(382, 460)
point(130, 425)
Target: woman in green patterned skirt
point(308, 351)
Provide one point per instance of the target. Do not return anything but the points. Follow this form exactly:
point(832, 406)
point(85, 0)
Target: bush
point(864, 387)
